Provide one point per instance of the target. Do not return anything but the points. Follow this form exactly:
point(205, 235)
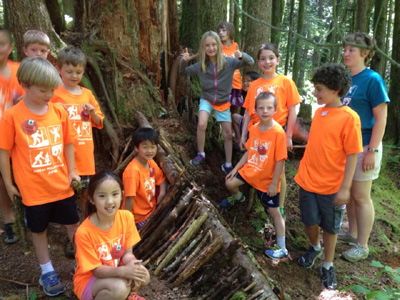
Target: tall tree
point(299, 45)
point(290, 37)
point(380, 16)
point(361, 23)
point(394, 92)
point(278, 8)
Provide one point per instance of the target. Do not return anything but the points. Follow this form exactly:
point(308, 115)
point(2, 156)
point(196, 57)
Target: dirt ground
point(19, 272)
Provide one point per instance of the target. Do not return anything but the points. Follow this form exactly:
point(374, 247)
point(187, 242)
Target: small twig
point(14, 281)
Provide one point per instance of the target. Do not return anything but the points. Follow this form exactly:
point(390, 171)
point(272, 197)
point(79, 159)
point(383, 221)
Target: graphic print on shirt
point(349, 95)
point(104, 251)
point(258, 153)
point(46, 149)
point(82, 128)
point(150, 187)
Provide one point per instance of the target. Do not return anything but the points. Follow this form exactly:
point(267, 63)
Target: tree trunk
point(380, 16)
point(256, 32)
point(394, 92)
point(361, 23)
point(298, 43)
point(278, 8)
point(290, 37)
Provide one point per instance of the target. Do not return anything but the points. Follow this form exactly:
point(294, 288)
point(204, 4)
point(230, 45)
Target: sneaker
point(231, 200)
point(51, 284)
point(9, 235)
point(276, 252)
point(134, 296)
point(308, 258)
point(69, 249)
point(356, 253)
point(328, 277)
point(345, 237)
point(226, 169)
point(197, 160)
point(282, 210)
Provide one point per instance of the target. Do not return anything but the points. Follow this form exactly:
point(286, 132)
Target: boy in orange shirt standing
point(39, 137)
point(261, 167)
point(36, 43)
point(10, 91)
point(326, 171)
point(141, 177)
point(83, 110)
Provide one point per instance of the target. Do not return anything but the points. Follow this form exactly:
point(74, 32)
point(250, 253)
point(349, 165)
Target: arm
point(163, 191)
point(245, 130)
point(290, 125)
point(245, 59)
point(185, 58)
point(89, 108)
point(130, 257)
point(6, 174)
point(380, 115)
point(238, 166)
point(343, 195)
point(129, 203)
point(273, 186)
point(70, 158)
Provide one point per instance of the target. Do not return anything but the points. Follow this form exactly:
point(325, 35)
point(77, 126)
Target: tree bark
point(298, 43)
point(278, 8)
point(380, 17)
point(361, 23)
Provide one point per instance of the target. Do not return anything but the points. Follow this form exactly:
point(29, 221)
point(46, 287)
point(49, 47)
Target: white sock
point(228, 164)
point(317, 247)
point(46, 268)
point(238, 195)
point(280, 241)
point(202, 154)
point(327, 265)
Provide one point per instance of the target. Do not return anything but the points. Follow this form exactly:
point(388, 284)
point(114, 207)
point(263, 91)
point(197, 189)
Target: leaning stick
point(20, 223)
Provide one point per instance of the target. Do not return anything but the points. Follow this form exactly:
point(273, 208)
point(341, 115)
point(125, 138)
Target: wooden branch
point(252, 195)
point(20, 223)
point(204, 257)
point(255, 295)
point(193, 229)
point(126, 161)
point(16, 282)
point(238, 288)
point(223, 283)
point(129, 141)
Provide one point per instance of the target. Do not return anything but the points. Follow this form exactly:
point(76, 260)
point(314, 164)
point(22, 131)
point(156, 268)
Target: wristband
point(372, 149)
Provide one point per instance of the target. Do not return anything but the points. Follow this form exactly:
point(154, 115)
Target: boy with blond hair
point(36, 43)
point(39, 137)
point(83, 110)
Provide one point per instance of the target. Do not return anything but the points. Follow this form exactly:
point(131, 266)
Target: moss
point(239, 295)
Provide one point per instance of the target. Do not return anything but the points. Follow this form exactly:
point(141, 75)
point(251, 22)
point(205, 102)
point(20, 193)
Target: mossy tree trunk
point(380, 17)
point(278, 8)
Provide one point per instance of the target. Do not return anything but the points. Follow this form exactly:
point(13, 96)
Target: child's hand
point(12, 192)
point(136, 272)
point(144, 280)
point(74, 177)
point(238, 54)
point(289, 143)
point(185, 55)
point(368, 163)
point(89, 109)
point(242, 143)
point(231, 174)
point(342, 197)
point(272, 189)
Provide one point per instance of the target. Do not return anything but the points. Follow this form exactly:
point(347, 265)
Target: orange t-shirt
point(265, 149)
point(334, 134)
point(83, 146)
point(229, 52)
point(282, 87)
point(10, 90)
point(221, 107)
point(140, 183)
point(93, 246)
point(38, 162)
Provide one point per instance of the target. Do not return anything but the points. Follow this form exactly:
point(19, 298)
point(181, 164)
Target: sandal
point(134, 296)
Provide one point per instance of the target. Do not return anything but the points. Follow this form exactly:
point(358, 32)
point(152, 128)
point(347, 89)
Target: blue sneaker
point(226, 169)
point(197, 160)
point(231, 200)
point(276, 252)
point(51, 284)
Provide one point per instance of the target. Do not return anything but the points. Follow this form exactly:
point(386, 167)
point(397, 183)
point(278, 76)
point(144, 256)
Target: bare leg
point(282, 194)
point(329, 246)
point(351, 216)
point(111, 289)
point(313, 234)
point(233, 184)
point(227, 134)
point(6, 204)
point(235, 125)
point(71, 229)
point(201, 129)
point(279, 223)
point(39, 241)
point(364, 210)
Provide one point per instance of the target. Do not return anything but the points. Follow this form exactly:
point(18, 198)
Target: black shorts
point(266, 200)
point(319, 209)
point(38, 217)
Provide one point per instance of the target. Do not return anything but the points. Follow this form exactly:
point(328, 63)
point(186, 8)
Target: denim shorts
point(222, 116)
point(319, 209)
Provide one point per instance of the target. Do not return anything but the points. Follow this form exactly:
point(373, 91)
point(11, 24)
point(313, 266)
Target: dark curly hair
point(334, 77)
point(144, 134)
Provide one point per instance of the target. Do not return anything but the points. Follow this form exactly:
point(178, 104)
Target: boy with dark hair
point(261, 167)
point(36, 43)
point(83, 110)
point(39, 137)
point(141, 177)
point(327, 168)
point(10, 91)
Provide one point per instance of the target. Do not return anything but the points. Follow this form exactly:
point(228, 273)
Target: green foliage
point(32, 295)
point(239, 295)
point(384, 292)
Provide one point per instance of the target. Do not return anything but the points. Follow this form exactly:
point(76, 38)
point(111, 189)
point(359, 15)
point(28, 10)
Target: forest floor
point(19, 272)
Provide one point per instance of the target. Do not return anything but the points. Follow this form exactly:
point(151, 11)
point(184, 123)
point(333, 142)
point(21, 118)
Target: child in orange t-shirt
point(226, 33)
point(36, 43)
point(10, 91)
point(39, 137)
point(286, 93)
point(326, 171)
point(261, 167)
point(83, 110)
point(142, 176)
point(106, 266)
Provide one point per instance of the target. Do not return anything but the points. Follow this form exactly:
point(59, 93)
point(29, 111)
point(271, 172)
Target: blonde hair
point(221, 61)
point(364, 39)
point(36, 36)
point(38, 71)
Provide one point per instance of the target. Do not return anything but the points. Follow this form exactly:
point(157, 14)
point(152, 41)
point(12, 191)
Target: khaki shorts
point(359, 174)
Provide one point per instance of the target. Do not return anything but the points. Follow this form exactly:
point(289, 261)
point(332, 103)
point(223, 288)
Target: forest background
point(134, 46)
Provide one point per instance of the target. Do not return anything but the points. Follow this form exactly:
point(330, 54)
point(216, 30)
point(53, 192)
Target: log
point(224, 283)
point(238, 288)
point(121, 157)
point(192, 230)
point(252, 195)
point(204, 257)
point(118, 170)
